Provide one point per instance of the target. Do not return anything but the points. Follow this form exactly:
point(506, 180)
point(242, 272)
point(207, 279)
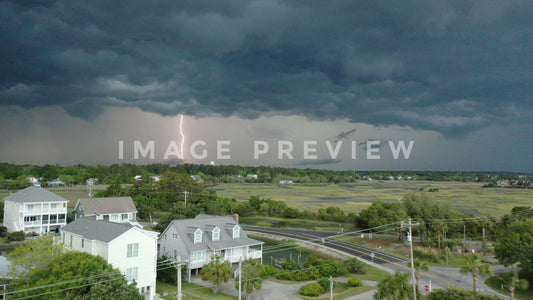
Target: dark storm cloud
point(449, 66)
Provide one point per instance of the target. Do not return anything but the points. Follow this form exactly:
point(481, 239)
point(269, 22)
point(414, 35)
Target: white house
point(128, 248)
point(34, 210)
point(194, 241)
point(114, 209)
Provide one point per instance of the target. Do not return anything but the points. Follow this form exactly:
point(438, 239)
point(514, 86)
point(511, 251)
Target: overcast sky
point(454, 77)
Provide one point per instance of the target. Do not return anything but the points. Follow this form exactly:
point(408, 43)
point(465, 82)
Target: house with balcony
point(113, 209)
point(35, 210)
point(130, 249)
point(194, 241)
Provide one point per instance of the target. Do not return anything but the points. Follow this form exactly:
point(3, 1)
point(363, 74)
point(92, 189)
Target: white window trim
point(198, 236)
point(132, 250)
point(236, 232)
point(216, 234)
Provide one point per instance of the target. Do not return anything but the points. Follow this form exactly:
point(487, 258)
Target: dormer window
point(216, 234)
point(236, 232)
point(198, 236)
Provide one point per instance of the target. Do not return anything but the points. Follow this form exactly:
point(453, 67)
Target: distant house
point(251, 176)
point(194, 241)
point(34, 210)
point(285, 181)
point(128, 248)
point(34, 181)
point(56, 182)
point(197, 178)
point(113, 209)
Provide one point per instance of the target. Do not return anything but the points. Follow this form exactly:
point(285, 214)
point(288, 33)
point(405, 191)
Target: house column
point(261, 253)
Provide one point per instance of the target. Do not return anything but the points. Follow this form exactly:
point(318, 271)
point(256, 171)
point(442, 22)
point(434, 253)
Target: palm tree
point(217, 271)
point(419, 267)
point(394, 287)
point(252, 280)
point(474, 265)
point(512, 282)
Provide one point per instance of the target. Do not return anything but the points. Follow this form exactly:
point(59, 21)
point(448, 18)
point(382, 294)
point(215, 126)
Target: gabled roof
point(109, 205)
point(99, 230)
point(35, 194)
point(186, 228)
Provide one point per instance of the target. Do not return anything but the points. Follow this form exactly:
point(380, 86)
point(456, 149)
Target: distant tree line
point(13, 176)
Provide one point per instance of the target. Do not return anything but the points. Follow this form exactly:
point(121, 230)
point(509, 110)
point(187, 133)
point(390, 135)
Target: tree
point(252, 277)
point(76, 275)
point(512, 282)
point(474, 265)
point(394, 287)
point(217, 271)
point(34, 254)
point(514, 243)
point(419, 267)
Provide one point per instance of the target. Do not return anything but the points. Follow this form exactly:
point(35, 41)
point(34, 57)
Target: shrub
point(354, 282)
point(3, 231)
point(353, 265)
point(269, 271)
point(290, 265)
point(324, 282)
point(312, 289)
point(16, 236)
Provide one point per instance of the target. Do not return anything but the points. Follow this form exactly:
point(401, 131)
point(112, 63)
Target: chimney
point(236, 218)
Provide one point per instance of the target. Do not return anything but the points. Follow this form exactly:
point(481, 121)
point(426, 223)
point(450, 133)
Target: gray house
point(194, 241)
point(113, 209)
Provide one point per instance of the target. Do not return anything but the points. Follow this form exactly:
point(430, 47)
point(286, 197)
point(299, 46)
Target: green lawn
point(353, 197)
point(190, 291)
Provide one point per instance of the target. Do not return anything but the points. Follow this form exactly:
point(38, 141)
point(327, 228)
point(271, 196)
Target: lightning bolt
point(182, 135)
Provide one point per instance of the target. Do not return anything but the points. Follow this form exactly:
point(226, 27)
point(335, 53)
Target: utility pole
point(330, 288)
point(185, 193)
point(413, 278)
point(484, 252)
point(464, 238)
point(240, 278)
point(179, 281)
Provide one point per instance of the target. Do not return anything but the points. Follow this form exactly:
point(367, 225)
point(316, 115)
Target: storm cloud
point(448, 66)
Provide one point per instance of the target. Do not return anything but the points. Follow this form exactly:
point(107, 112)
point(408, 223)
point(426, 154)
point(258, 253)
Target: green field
point(353, 197)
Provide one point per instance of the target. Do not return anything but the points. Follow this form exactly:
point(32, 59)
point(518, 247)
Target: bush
point(355, 266)
point(269, 271)
point(3, 231)
point(324, 282)
point(16, 236)
point(354, 282)
point(290, 265)
point(312, 289)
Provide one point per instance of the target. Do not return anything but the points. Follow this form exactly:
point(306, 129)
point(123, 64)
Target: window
point(132, 274)
point(236, 232)
point(82, 243)
point(198, 236)
point(30, 207)
point(175, 236)
point(133, 250)
point(124, 216)
point(70, 243)
point(53, 205)
point(198, 256)
point(216, 234)
point(175, 253)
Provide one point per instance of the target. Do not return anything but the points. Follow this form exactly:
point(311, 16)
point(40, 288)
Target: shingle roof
point(186, 227)
point(97, 229)
point(110, 205)
point(35, 194)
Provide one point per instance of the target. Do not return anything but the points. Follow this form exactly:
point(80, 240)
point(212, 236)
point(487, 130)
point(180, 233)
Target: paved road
point(440, 277)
